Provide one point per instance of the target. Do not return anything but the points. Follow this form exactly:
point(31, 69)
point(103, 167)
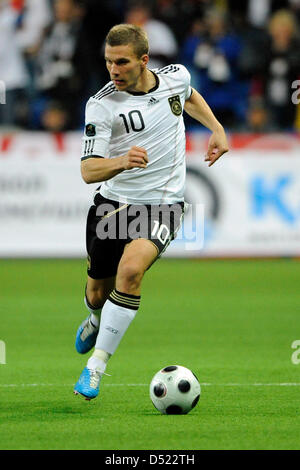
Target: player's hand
point(136, 157)
point(217, 146)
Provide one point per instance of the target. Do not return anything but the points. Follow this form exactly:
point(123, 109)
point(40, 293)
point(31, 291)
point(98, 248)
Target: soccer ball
point(175, 390)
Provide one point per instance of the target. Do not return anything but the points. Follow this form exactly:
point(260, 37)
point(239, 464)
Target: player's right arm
point(95, 169)
point(95, 166)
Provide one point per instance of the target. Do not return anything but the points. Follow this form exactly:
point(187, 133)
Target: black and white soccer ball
point(175, 390)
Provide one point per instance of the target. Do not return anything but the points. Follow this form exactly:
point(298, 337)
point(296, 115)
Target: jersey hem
point(130, 200)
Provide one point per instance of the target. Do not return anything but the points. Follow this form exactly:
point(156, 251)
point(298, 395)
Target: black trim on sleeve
point(91, 156)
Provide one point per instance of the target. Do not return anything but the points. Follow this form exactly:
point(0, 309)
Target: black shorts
point(111, 225)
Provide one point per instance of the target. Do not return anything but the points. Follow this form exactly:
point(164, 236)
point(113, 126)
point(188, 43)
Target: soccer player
point(134, 144)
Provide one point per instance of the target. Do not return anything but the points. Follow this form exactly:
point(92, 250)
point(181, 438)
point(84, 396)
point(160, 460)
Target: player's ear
point(145, 59)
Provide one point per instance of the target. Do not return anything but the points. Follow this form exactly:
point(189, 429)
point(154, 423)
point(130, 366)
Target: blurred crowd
point(243, 56)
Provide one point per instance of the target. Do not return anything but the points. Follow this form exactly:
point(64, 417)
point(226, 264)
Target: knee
point(130, 274)
point(94, 298)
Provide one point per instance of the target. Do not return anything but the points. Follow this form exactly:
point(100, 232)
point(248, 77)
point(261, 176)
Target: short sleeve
point(97, 131)
point(186, 76)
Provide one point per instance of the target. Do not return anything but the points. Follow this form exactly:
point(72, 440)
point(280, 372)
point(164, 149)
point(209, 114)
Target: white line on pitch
point(204, 384)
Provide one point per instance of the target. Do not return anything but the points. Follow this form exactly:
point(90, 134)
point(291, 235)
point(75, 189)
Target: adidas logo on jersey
point(152, 101)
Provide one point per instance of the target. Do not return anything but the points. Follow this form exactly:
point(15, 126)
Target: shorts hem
point(98, 278)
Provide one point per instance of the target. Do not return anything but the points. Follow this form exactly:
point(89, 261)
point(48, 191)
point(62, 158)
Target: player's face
point(124, 67)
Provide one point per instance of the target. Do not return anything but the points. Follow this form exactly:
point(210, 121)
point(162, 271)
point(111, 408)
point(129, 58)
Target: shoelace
point(95, 377)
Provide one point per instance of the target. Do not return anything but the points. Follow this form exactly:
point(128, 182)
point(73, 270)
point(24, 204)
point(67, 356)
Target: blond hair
point(123, 34)
point(283, 17)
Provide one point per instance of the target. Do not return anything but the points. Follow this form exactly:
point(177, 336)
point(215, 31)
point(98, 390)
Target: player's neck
point(145, 83)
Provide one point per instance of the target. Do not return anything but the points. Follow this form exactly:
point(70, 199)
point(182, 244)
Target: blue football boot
point(88, 383)
point(86, 336)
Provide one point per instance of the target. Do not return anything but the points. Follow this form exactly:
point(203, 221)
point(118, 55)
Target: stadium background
point(243, 58)
point(234, 322)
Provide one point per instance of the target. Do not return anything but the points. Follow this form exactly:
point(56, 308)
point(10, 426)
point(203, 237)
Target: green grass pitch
point(231, 322)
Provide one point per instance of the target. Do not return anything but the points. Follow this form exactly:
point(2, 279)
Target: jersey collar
point(138, 93)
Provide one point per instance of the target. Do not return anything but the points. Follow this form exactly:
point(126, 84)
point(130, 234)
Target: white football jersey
point(118, 120)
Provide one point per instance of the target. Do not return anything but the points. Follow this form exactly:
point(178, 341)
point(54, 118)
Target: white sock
point(117, 313)
point(95, 313)
point(98, 360)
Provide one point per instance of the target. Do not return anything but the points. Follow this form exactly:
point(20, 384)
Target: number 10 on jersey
point(133, 121)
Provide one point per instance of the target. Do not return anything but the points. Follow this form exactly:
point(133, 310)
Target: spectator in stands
point(253, 13)
point(55, 118)
point(281, 68)
point(256, 13)
point(13, 71)
point(61, 62)
point(257, 119)
point(34, 17)
point(179, 14)
point(274, 66)
point(162, 42)
point(214, 50)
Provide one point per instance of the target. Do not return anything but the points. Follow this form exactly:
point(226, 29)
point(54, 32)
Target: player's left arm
point(198, 109)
